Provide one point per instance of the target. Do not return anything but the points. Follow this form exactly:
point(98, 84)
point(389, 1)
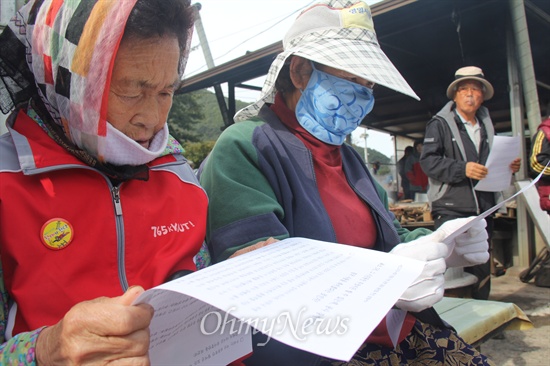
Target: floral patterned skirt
point(426, 345)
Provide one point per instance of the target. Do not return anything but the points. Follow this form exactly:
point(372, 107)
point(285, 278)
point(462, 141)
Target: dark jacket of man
point(447, 149)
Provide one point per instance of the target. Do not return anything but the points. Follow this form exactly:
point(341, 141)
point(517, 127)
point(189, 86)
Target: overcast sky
point(237, 26)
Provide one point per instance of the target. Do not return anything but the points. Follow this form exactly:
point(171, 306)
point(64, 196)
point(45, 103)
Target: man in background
point(418, 181)
point(538, 161)
point(456, 146)
point(403, 175)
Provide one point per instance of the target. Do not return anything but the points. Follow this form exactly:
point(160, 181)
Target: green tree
point(375, 156)
point(184, 116)
point(212, 124)
point(197, 151)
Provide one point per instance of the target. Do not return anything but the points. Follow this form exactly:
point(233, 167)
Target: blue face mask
point(331, 108)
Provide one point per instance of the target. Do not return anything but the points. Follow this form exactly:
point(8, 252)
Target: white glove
point(429, 286)
point(469, 248)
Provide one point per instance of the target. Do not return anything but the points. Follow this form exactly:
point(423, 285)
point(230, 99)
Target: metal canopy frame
point(427, 40)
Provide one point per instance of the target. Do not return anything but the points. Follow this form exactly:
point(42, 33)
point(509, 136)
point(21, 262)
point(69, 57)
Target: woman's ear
point(300, 71)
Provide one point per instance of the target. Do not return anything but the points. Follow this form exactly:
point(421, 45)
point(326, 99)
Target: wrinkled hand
point(429, 286)
point(515, 165)
point(476, 171)
point(250, 248)
point(471, 247)
point(99, 332)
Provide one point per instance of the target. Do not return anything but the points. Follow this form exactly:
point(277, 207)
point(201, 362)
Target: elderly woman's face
point(145, 76)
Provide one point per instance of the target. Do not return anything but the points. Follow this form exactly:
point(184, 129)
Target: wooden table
point(417, 224)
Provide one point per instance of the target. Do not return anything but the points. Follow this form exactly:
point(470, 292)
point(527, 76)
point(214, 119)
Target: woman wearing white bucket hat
point(284, 171)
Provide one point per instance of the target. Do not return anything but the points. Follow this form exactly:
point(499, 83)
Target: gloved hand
point(429, 287)
point(469, 248)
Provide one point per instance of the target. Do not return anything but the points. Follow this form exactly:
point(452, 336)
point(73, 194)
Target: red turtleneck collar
point(350, 216)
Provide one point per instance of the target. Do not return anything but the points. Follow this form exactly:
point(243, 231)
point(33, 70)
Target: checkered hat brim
point(353, 50)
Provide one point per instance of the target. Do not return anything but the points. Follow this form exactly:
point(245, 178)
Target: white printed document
point(504, 150)
point(451, 237)
point(320, 297)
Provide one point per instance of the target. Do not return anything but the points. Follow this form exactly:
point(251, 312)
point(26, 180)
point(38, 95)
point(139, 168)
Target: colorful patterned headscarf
point(70, 48)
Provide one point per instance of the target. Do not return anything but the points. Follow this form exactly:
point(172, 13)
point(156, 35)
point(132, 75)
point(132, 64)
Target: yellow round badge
point(57, 234)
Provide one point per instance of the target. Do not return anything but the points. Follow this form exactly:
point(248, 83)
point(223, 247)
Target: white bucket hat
point(336, 33)
point(470, 73)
